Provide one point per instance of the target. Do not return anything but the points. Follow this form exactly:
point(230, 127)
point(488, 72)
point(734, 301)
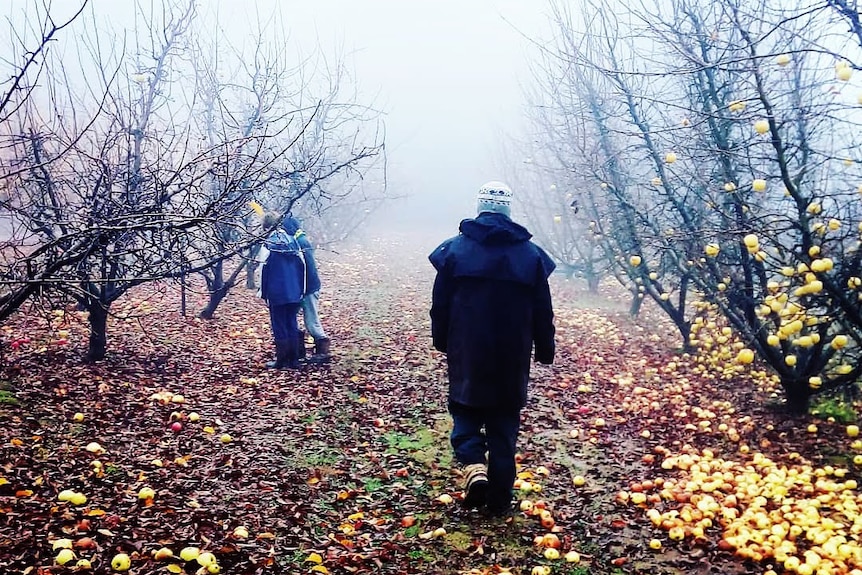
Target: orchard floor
point(341, 469)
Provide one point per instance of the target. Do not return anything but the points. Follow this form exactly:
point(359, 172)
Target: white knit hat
point(495, 197)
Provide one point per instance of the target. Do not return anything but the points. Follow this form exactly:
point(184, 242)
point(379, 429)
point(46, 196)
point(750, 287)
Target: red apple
point(176, 427)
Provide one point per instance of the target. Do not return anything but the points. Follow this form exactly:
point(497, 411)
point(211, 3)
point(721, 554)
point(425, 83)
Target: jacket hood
point(290, 224)
point(282, 240)
point(494, 228)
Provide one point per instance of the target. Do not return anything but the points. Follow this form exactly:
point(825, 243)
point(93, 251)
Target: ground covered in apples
point(645, 460)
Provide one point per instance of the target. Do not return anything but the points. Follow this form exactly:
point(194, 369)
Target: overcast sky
point(447, 73)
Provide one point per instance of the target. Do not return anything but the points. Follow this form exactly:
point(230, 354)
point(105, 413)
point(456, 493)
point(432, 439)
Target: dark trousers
point(284, 326)
point(498, 441)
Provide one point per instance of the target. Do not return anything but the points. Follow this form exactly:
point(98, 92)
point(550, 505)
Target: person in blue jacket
point(283, 283)
point(490, 304)
point(311, 299)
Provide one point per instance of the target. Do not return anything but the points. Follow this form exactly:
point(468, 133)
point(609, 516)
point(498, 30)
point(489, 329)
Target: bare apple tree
point(31, 35)
point(328, 143)
point(110, 184)
point(597, 119)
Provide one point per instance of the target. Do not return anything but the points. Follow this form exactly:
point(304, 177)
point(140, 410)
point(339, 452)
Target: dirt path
point(342, 469)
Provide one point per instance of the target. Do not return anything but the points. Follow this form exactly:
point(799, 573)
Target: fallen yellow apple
point(146, 493)
point(61, 544)
point(64, 556)
point(121, 562)
point(205, 559)
point(78, 499)
point(65, 495)
point(190, 553)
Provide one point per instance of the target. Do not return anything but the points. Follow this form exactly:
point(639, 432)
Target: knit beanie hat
point(495, 197)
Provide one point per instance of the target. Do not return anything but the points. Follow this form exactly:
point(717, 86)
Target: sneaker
point(475, 485)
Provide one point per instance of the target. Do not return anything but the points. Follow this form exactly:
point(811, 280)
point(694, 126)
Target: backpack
point(286, 255)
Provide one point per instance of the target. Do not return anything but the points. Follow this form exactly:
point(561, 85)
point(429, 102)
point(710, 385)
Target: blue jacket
point(282, 278)
point(491, 302)
point(312, 279)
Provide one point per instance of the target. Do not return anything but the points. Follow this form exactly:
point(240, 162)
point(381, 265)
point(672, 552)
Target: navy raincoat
point(491, 302)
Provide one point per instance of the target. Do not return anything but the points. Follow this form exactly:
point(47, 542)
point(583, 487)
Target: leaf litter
point(346, 468)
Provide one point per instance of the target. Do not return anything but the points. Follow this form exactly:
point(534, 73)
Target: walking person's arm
point(440, 305)
point(441, 297)
point(543, 319)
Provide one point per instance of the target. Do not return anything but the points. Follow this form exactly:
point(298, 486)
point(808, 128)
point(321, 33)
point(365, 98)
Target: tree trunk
point(216, 296)
point(251, 270)
point(593, 281)
point(183, 293)
point(635, 307)
point(684, 329)
point(797, 395)
point(217, 291)
point(98, 331)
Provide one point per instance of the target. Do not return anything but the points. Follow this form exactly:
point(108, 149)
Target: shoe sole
point(476, 494)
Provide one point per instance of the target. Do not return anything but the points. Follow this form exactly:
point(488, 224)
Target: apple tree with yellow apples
point(726, 184)
point(557, 213)
point(642, 219)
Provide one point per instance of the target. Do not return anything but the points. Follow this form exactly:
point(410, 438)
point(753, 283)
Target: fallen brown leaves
point(344, 468)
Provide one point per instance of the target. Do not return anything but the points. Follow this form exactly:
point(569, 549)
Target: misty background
point(447, 76)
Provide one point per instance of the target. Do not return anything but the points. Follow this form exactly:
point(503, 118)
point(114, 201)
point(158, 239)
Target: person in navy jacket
point(311, 300)
point(490, 304)
point(283, 283)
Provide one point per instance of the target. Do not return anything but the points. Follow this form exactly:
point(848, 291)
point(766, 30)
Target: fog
point(446, 74)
